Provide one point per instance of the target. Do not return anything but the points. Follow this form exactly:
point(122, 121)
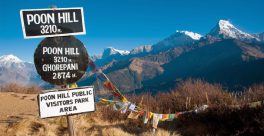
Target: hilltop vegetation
point(228, 113)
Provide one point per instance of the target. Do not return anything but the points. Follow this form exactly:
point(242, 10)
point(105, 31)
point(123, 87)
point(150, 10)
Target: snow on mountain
point(16, 70)
point(14, 63)
point(193, 35)
point(10, 58)
point(179, 38)
point(11, 61)
point(112, 51)
point(224, 29)
point(141, 49)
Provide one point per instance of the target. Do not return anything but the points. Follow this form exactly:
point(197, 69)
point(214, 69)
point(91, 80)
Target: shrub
point(12, 87)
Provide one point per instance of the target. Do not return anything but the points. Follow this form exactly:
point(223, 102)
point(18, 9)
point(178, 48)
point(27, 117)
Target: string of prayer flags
point(110, 86)
point(121, 106)
point(171, 117)
point(147, 116)
point(177, 114)
point(155, 120)
point(141, 113)
point(125, 108)
point(137, 111)
point(164, 117)
point(132, 107)
point(104, 101)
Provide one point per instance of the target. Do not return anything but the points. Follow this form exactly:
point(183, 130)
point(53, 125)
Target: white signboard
point(71, 101)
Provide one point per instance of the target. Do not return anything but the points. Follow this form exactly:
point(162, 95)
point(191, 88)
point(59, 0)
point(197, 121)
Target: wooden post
point(83, 60)
point(70, 123)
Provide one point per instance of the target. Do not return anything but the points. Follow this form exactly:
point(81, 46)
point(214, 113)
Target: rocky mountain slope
point(14, 70)
point(225, 55)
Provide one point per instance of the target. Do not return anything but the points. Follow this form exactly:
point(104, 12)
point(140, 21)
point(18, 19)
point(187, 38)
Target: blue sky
point(125, 24)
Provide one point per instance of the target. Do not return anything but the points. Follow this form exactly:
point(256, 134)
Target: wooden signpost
point(60, 59)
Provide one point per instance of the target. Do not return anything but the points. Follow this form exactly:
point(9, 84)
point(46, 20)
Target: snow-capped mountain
point(14, 63)
point(108, 55)
point(179, 38)
point(141, 49)
point(110, 51)
point(14, 70)
point(10, 58)
point(224, 29)
point(193, 35)
point(226, 55)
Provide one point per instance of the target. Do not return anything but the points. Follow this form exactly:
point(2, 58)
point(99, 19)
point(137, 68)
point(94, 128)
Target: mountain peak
point(112, 51)
point(226, 30)
point(14, 70)
point(10, 58)
point(192, 35)
point(225, 24)
point(179, 38)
